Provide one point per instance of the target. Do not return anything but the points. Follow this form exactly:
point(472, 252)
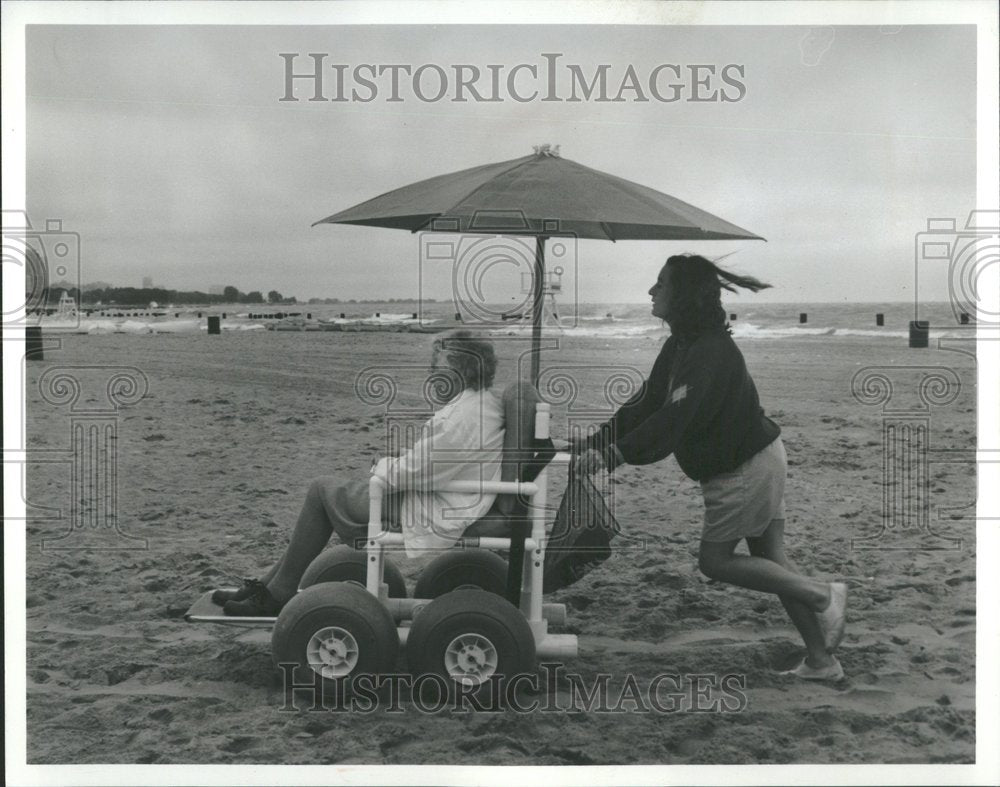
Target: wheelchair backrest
point(520, 460)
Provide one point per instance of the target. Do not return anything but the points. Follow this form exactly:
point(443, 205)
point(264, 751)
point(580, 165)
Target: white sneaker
point(830, 672)
point(833, 618)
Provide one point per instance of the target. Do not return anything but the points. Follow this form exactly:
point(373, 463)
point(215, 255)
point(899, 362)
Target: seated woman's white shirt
point(462, 441)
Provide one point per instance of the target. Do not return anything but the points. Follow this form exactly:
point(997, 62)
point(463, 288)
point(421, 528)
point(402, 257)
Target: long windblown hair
point(696, 285)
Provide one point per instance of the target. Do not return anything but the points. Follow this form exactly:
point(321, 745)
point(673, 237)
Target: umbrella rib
point(643, 195)
point(519, 163)
point(516, 163)
point(643, 211)
point(424, 225)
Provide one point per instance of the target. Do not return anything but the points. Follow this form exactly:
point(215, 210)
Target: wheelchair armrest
point(376, 487)
point(526, 489)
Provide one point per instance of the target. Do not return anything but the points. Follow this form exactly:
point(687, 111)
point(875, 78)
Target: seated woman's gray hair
point(471, 356)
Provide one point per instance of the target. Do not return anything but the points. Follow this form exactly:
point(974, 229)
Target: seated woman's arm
point(447, 445)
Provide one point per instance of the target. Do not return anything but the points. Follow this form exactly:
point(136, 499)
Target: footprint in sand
point(239, 744)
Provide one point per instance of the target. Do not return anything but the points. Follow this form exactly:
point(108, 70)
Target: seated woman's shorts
point(346, 506)
point(742, 504)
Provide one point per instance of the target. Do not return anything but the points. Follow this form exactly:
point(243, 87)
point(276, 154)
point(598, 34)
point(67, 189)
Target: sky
point(168, 150)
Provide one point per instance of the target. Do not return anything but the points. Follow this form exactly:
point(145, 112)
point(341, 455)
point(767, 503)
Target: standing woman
point(701, 405)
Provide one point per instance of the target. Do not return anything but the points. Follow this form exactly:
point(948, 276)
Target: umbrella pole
point(538, 301)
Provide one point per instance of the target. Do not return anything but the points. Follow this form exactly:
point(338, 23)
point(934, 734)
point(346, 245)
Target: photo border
point(980, 13)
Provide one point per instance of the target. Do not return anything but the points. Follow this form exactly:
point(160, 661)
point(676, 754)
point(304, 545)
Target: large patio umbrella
point(542, 195)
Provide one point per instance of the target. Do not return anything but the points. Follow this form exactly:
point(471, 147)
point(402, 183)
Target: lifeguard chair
point(551, 286)
point(67, 307)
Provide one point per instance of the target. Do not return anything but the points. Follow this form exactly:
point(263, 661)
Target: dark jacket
point(699, 404)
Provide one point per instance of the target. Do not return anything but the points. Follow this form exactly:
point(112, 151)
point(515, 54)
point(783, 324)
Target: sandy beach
point(213, 461)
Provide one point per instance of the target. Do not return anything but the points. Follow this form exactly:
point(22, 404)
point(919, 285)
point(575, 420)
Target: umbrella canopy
point(541, 195)
point(527, 195)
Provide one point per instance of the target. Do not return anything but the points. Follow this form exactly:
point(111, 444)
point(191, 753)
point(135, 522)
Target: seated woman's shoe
point(223, 595)
point(259, 604)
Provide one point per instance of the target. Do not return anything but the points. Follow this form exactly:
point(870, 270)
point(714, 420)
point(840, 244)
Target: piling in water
point(880, 319)
point(803, 318)
point(33, 343)
point(214, 324)
point(919, 333)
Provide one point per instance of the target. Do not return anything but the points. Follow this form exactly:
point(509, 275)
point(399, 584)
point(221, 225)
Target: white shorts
point(742, 504)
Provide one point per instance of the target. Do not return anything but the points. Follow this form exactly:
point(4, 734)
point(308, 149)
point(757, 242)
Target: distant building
point(147, 282)
point(217, 289)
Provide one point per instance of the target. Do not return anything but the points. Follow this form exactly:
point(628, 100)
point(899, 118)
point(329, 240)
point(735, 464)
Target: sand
point(212, 464)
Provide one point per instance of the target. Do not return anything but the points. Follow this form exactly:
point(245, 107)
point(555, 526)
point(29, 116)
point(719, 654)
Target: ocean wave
point(589, 327)
point(613, 330)
point(873, 332)
point(604, 331)
point(748, 330)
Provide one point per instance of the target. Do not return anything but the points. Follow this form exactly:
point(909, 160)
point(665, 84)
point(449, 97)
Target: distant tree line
point(316, 301)
point(141, 296)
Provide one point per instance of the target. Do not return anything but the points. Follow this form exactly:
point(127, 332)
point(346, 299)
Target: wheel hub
point(332, 652)
point(470, 659)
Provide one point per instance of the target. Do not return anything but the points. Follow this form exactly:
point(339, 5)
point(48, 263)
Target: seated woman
point(461, 442)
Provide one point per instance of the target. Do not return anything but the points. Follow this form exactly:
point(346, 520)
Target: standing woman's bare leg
point(758, 572)
point(771, 545)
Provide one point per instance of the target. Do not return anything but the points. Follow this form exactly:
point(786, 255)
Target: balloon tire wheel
point(332, 633)
point(462, 569)
point(343, 564)
point(470, 639)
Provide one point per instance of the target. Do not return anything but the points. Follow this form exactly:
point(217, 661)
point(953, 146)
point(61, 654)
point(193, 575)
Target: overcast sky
point(168, 150)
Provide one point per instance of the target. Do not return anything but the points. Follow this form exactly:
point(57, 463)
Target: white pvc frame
point(538, 614)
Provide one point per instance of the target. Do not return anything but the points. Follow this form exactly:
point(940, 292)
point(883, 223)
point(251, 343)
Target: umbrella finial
point(546, 150)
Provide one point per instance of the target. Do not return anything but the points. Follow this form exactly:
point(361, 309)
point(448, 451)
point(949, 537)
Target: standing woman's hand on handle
point(589, 462)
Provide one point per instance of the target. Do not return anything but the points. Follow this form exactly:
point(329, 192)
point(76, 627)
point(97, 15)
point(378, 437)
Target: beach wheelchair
point(473, 618)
